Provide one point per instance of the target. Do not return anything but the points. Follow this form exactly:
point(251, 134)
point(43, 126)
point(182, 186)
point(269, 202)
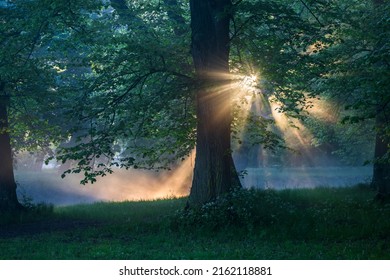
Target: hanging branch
point(311, 12)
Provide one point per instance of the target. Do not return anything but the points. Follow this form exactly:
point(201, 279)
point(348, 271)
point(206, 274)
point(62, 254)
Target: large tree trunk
point(8, 198)
point(214, 172)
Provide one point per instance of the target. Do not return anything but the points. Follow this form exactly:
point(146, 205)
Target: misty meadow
point(175, 129)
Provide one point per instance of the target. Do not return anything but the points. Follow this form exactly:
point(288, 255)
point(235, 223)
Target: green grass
point(322, 223)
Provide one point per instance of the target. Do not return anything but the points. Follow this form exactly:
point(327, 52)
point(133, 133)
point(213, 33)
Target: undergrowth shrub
point(241, 208)
point(29, 212)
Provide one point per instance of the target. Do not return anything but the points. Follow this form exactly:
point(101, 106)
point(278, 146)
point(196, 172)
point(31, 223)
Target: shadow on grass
point(323, 223)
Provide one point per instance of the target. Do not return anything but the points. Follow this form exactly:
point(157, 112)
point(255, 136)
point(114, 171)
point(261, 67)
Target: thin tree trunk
point(39, 161)
point(214, 172)
point(381, 174)
point(8, 197)
point(76, 138)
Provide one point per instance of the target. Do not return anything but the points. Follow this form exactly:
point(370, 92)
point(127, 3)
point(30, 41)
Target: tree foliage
point(113, 83)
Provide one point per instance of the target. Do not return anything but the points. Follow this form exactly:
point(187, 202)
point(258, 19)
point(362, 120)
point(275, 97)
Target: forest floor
point(322, 223)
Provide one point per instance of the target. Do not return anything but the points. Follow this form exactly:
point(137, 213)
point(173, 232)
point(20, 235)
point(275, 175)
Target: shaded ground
point(323, 223)
point(48, 226)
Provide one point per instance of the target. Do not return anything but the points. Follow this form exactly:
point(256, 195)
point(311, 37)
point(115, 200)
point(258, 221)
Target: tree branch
point(311, 12)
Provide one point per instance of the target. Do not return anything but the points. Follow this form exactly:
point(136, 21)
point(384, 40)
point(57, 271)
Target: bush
point(27, 213)
point(242, 208)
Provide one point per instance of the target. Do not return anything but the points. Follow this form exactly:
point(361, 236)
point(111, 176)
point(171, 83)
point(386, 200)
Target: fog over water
point(47, 186)
point(306, 177)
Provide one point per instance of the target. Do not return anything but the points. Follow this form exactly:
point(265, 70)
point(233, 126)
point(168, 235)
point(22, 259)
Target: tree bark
point(381, 174)
point(214, 171)
point(381, 169)
point(8, 198)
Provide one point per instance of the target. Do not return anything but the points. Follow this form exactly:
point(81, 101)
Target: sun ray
point(324, 110)
point(295, 134)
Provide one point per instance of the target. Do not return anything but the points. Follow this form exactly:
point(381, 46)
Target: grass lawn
point(322, 223)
